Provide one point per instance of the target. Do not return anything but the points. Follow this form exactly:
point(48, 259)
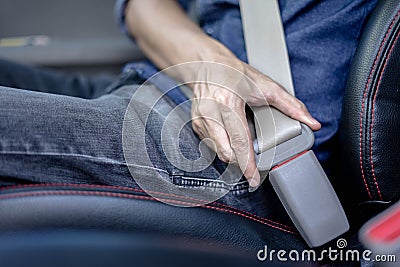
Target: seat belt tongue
point(282, 143)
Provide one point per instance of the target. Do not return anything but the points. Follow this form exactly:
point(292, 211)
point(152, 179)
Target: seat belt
point(282, 144)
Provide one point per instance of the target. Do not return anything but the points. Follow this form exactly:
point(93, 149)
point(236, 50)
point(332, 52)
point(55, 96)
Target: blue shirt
point(321, 38)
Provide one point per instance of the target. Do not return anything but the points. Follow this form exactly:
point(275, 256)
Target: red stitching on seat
point(373, 113)
point(142, 191)
point(364, 98)
point(121, 195)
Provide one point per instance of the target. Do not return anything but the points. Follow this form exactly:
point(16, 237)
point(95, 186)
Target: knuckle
point(196, 124)
point(271, 97)
point(201, 110)
point(225, 153)
point(223, 157)
point(239, 143)
point(199, 133)
point(222, 97)
point(300, 105)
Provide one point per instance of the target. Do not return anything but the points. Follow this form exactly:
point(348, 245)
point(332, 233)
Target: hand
point(218, 112)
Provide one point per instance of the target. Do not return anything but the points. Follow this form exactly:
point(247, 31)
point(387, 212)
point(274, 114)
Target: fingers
point(217, 138)
point(207, 124)
point(291, 106)
point(227, 127)
point(240, 141)
point(277, 96)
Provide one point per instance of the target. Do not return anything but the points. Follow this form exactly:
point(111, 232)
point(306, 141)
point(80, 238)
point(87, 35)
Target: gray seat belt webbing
point(270, 58)
point(297, 176)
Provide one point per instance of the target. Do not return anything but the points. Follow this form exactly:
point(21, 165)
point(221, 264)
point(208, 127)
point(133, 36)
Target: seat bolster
point(86, 207)
point(370, 122)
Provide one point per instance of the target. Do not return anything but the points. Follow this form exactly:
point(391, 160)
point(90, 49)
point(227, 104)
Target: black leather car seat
point(370, 128)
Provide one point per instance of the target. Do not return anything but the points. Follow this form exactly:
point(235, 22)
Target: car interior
point(99, 225)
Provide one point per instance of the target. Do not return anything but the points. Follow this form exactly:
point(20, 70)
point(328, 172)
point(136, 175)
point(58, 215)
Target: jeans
point(64, 128)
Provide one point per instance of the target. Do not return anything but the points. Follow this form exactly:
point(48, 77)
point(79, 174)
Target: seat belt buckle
point(309, 198)
point(304, 189)
point(281, 152)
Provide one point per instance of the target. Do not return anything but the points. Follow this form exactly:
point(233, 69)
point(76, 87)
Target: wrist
point(214, 51)
point(209, 50)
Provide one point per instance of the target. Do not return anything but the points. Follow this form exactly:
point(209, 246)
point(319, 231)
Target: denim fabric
point(73, 135)
point(321, 38)
point(19, 76)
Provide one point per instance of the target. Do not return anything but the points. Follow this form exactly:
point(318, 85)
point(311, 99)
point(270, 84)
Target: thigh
point(56, 138)
point(113, 140)
point(51, 138)
point(20, 76)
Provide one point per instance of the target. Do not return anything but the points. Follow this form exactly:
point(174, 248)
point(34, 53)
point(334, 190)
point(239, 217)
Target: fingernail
point(254, 183)
point(313, 121)
point(252, 189)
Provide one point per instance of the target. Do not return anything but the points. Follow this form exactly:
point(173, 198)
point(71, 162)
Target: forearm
point(167, 36)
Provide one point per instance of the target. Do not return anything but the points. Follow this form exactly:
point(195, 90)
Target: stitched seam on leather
point(142, 191)
point(373, 111)
point(121, 195)
point(364, 99)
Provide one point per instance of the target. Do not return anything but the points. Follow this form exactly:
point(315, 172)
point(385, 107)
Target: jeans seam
point(106, 160)
point(193, 182)
point(178, 180)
